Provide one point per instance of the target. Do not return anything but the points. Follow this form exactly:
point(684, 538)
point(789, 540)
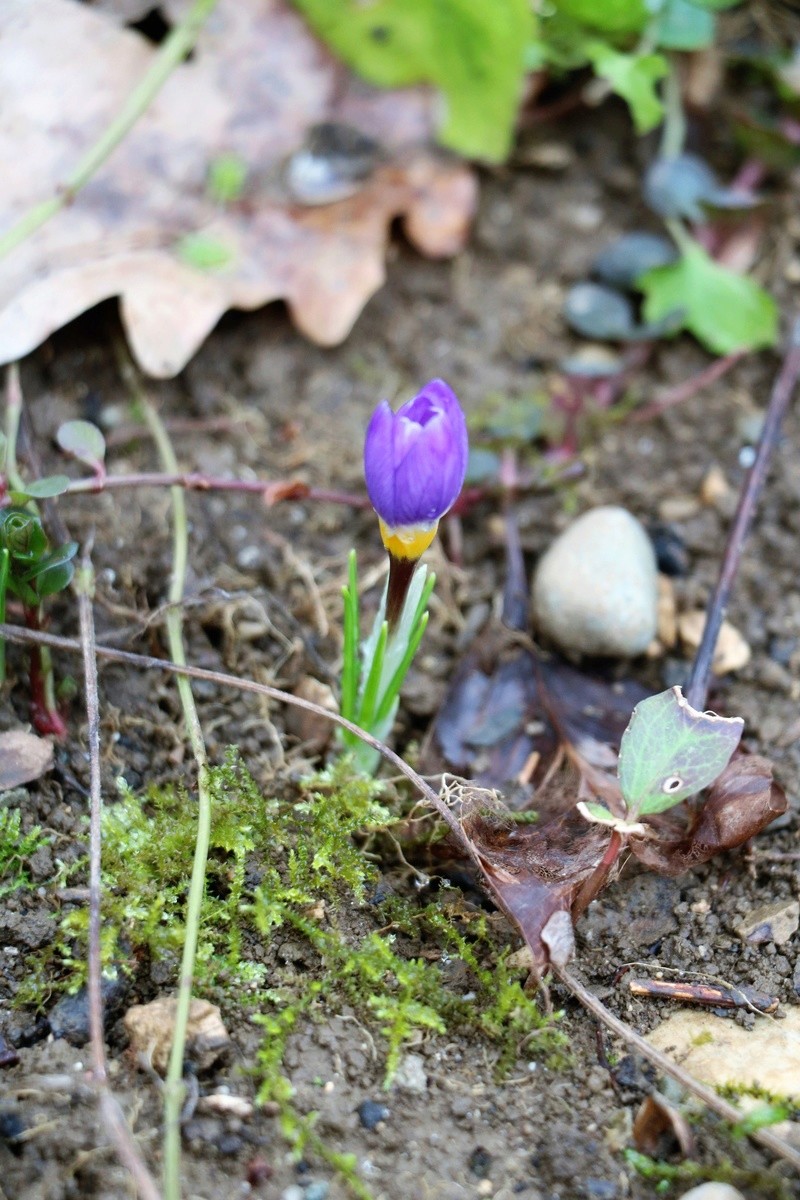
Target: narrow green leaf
point(724, 311)
point(370, 698)
point(83, 441)
point(396, 682)
point(670, 751)
point(350, 647)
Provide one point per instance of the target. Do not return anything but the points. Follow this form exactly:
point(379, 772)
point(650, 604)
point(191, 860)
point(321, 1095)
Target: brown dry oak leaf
point(256, 84)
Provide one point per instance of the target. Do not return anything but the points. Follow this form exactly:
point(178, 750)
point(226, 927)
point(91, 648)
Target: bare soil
point(264, 602)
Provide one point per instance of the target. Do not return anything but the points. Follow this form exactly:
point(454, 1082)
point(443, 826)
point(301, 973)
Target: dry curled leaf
point(23, 758)
point(148, 226)
point(738, 805)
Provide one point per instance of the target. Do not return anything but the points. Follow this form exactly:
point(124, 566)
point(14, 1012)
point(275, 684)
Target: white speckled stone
point(595, 591)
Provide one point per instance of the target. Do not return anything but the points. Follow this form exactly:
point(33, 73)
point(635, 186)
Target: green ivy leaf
point(634, 78)
point(682, 25)
point(670, 751)
point(473, 51)
point(608, 16)
point(724, 311)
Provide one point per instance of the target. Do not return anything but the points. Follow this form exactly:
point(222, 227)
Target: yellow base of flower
point(407, 541)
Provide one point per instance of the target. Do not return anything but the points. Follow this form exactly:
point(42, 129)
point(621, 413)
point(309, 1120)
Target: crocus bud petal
point(415, 459)
point(408, 541)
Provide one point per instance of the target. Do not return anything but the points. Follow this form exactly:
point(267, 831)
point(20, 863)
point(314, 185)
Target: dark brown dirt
point(264, 597)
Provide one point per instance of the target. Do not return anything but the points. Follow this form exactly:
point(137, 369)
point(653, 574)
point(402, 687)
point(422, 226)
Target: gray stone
point(595, 591)
point(776, 922)
point(410, 1075)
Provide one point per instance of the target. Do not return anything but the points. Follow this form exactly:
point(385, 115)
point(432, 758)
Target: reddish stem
point(45, 717)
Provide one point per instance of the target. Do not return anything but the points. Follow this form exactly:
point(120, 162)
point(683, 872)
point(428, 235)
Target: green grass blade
point(370, 698)
point(350, 648)
point(396, 682)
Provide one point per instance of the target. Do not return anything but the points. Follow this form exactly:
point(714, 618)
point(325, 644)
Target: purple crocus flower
point(415, 460)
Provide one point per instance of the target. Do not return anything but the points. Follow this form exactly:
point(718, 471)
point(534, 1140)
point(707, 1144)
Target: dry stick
point(690, 387)
point(172, 52)
point(15, 633)
point(272, 490)
point(113, 1118)
point(666, 1065)
point(780, 397)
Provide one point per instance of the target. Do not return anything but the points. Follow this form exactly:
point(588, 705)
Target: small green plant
point(669, 752)
point(415, 461)
point(16, 848)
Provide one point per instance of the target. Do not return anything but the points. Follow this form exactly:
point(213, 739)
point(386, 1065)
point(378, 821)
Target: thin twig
point(690, 387)
point(110, 1111)
point(18, 634)
point(782, 393)
point(271, 490)
point(708, 1096)
point(172, 52)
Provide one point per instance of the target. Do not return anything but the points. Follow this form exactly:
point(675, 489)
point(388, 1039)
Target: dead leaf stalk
point(782, 392)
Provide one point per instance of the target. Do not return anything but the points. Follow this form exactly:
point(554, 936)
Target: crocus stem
point(401, 571)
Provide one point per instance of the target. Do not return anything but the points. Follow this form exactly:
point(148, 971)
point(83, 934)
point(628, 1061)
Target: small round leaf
point(83, 441)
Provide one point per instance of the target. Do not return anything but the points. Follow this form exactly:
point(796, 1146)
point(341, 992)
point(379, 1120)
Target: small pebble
point(293, 1192)
point(371, 1113)
point(670, 550)
point(601, 1189)
point(595, 591)
point(480, 1162)
point(731, 652)
point(713, 1191)
point(69, 1019)
point(317, 1191)
point(777, 922)
point(410, 1075)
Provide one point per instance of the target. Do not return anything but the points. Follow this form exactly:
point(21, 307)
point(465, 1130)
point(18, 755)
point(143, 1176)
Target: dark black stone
point(371, 1113)
point(670, 550)
point(480, 1162)
point(70, 1017)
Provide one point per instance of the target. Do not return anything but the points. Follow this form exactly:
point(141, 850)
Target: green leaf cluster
point(725, 311)
point(16, 848)
point(29, 568)
point(471, 50)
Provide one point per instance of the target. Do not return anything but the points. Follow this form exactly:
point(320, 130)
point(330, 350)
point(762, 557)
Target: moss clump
point(16, 848)
point(669, 1177)
point(306, 864)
